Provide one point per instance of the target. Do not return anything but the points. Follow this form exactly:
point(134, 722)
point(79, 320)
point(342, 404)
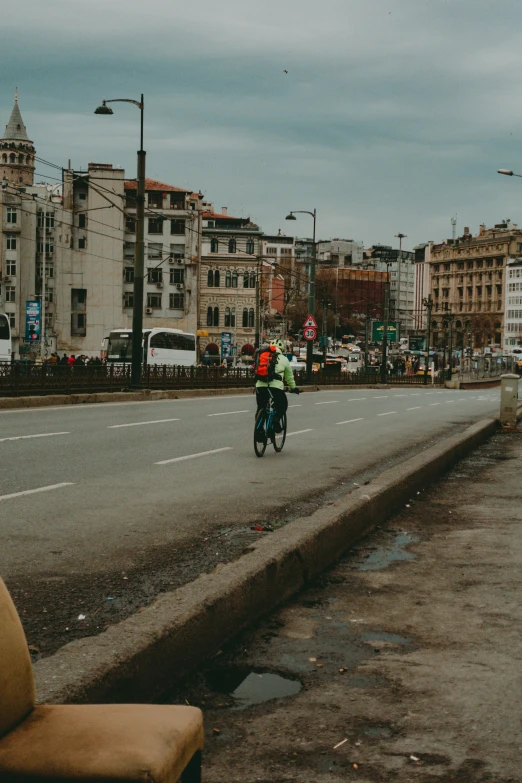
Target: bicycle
point(264, 429)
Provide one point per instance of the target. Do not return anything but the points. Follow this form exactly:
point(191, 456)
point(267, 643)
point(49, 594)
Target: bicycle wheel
point(259, 429)
point(279, 438)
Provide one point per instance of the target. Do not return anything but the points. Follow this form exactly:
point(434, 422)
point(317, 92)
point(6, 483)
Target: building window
point(128, 298)
point(228, 279)
point(12, 320)
point(177, 251)
point(78, 299)
point(78, 325)
point(251, 317)
point(155, 199)
point(250, 246)
point(216, 316)
point(234, 279)
point(128, 274)
point(227, 316)
point(129, 249)
point(177, 201)
point(155, 225)
point(176, 301)
point(232, 245)
point(12, 215)
point(82, 196)
point(177, 226)
point(246, 280)
point(155, 250)
point(177, 276)
point(82, 220)
point(212, 316)
point(130, 224)
point(49, 219)
point(12, 157)
point(154, 301)
point(214, 245)
point(10, 293)
point(209, 316)
point(49, 295)
point(11, 243)
point(154, 275)
point(233, 317)
point(245, 316)
point(213, 278)
point(82, 243)
point(10, 268)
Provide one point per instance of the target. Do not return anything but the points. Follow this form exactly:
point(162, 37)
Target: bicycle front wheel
point(279, 438)
point(260, 439)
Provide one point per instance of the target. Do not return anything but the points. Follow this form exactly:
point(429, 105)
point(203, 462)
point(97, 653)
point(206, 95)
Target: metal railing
point(23, 379)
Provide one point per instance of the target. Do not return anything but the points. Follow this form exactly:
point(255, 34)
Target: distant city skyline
point(387, 117)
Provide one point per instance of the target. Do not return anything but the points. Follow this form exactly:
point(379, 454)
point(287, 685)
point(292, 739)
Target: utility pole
point(428, 304)
point(258, 300)
point(450, 348)
point(311, 288)
point(366, 329)
point(42, 287)
point(325, 330)
point(384, 361)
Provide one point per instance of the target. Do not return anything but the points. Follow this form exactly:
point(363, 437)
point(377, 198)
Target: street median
point(140, 658)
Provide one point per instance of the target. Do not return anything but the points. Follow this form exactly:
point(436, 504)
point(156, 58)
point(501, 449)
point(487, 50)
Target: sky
point(386, 116)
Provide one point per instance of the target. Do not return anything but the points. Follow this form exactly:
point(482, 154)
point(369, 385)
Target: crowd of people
point(77, 361)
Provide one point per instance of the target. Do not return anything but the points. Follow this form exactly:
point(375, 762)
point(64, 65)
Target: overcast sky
point(394, 114)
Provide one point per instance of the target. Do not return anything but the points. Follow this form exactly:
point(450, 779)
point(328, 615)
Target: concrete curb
point(150, 395)
point(141, 657)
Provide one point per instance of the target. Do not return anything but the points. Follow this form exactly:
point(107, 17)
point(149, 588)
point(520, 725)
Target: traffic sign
point(310, 333)
point(310, 322)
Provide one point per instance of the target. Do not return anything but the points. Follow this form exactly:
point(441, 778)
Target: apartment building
point(400, 265)
point(467, 281)
point(230, 266)
point(513, 305)
point(280, 286)
point(340, 252)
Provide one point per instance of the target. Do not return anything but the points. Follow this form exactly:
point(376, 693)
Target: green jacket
point(284, 369)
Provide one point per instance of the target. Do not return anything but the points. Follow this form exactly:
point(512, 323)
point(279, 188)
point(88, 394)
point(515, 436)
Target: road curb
point(141, 657)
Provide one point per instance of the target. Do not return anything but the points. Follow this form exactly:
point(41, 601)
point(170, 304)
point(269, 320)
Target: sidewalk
point(406, 656)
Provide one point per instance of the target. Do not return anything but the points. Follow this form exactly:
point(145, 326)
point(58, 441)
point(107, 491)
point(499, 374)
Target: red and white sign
point(310, 322)
point(310, 333)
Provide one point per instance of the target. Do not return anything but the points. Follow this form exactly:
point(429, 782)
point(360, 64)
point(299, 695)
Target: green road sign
point(378, 332)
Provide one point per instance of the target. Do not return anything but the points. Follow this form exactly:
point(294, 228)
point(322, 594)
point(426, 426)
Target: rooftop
point(154, 184)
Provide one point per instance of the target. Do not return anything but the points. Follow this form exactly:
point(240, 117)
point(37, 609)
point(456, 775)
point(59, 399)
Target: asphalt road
point(95, 488)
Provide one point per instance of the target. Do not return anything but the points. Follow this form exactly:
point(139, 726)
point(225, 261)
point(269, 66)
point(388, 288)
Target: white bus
point(5, 339)
point(160, 346)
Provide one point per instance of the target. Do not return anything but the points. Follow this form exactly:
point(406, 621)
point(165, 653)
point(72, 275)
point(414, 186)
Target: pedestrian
point(78, 362)
point(71, 360)
point(64, 359)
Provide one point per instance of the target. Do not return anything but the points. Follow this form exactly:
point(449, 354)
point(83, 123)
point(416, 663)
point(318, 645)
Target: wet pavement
point(402, 664)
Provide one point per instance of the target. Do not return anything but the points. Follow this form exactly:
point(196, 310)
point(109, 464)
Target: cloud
point(393, 113)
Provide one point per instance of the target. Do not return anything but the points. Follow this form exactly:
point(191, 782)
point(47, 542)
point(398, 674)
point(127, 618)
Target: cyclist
point(283, 374)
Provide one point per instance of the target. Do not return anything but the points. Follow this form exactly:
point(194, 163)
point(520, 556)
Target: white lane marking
point(357, 399)
point(226, 413)
point(389, 413)
point(330, 402)
point(400, 395)
point(193, 456)
point(416, 408)
point(417, 394)
point(42, 435)
point(140, 423)
point(40, 489)
point(380, 397)
point(349, 421)
point(449, 402)
point(296, 406)
point(433, 403)
point(299, 432)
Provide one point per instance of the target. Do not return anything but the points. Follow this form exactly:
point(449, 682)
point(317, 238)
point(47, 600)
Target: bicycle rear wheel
point(279, 438)
point(259, 430)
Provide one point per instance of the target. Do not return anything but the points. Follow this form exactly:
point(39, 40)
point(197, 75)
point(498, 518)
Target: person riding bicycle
point(282, 373)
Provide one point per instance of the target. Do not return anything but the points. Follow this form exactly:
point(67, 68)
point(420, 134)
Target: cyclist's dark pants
point(280, 400)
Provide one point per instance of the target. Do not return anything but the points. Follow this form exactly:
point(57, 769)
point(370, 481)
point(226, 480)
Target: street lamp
point(311, 290)
point(139, 259)
point(508, 173)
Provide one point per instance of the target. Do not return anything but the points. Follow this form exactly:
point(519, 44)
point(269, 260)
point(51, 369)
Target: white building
point(340, 252)
point(513, 305)
point(400, 264)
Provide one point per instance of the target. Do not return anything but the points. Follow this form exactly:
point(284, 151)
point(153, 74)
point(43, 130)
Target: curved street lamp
point(139, 258)
point(311, 289)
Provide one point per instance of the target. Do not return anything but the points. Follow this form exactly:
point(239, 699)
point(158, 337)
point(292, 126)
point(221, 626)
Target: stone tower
point(17, 151)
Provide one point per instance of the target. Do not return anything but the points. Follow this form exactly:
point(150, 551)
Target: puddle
point(248, 687)
point(386, 555)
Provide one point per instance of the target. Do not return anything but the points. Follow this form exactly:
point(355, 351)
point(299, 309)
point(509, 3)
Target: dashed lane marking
point(39, 489)
point(41, 435)
point(329, 402)
point(226, 413)
point(194, 456)
point(388, 413)
point(416, 408)
point(349, 421)
point(140, 423)
point(299, 432)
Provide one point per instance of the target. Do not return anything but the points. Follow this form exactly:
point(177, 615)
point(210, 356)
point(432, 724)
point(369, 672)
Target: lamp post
point(428, 304)
point(139, 258)
point(508, 173)
point(311, 290)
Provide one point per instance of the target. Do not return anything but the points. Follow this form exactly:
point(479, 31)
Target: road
point(90, 494)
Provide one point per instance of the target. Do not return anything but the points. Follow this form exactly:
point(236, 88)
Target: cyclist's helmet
point(279, 344)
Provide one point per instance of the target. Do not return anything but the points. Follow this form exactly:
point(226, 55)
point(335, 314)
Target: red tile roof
point(154, 184)
point(219, 215)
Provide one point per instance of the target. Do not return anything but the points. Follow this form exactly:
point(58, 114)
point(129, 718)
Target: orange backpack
point(265, 365)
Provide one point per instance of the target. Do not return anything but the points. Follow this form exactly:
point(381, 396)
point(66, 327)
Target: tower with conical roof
point(17, 151)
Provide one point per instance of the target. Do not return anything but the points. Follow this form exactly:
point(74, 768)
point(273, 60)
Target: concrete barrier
point(142, 657)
